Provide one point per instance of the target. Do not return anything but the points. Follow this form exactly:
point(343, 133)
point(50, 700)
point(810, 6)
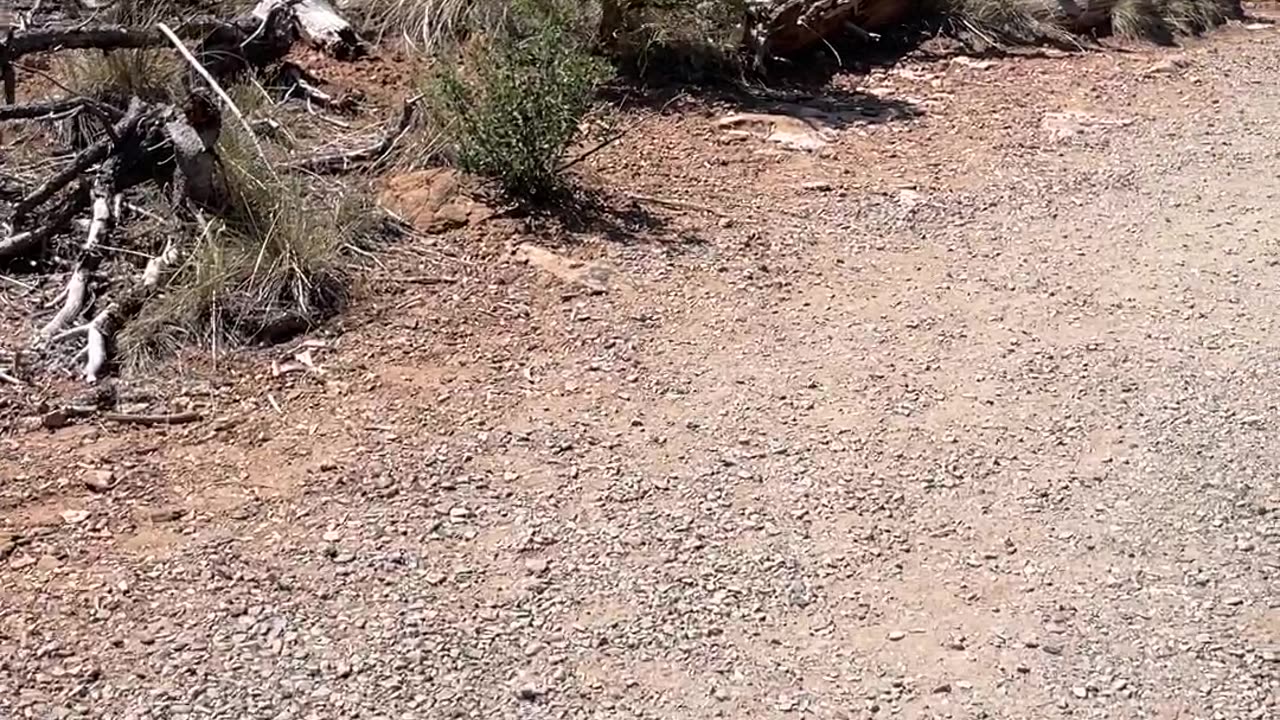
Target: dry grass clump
point(113, 77)
point(689, 40)
point(431, 26)
point(1164, 20)
point(998, 23)
point(275, 264)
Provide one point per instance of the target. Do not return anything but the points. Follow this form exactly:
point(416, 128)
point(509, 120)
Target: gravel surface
point(969, 415)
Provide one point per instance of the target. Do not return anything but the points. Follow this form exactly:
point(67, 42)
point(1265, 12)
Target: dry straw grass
point(275, 264)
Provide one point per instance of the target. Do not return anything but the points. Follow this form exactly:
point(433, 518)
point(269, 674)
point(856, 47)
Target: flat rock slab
point(593, 276)
point(432, 201)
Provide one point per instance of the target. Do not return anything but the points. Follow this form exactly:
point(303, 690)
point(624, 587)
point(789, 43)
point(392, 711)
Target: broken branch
point(85, 159)
point(51, 108)
point(213, 85)
point(170, 419)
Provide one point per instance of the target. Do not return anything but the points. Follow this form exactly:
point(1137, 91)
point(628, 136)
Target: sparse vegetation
point(274, 264)
point(998, 23)
point(509, 87)
point(679, 39)
point(512, 102)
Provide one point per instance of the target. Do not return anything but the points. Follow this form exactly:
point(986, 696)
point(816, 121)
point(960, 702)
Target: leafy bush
point(513, 104)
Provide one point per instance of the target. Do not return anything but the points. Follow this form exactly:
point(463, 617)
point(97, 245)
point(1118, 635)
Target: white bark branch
point(72, 304)
point(157, 265)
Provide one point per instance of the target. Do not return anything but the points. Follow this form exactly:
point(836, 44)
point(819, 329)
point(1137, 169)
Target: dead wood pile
point(73, 215)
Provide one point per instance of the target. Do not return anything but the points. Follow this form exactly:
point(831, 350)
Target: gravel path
point(980, 426)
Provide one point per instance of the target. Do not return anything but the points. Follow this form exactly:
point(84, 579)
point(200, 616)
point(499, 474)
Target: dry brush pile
point(167, 217)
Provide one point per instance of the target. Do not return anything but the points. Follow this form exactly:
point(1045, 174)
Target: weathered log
point(106, 37)
point(789, 26)
point(319, 25)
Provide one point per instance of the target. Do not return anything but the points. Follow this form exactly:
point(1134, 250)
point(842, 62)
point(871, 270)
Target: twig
point(217, 89)
point(341, 162)
point(615, 137)
point(157, 265)
point(43, 110)
point(19, 283)
point(71, 306)
point(669, 202)
point(423, 280)
point(6, 377)
point(170, 419)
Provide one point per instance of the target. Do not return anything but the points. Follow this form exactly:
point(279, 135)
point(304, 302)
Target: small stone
point(20, 561)
point(162, 515)
point(897, 635)
point(1023, 668)
point(533, 648)
point(1055, 628)
point(720, 693)
point(1052, 649)
point(1233, 601)
point(817, 186)
point(536, 566)
point(529, 692)
point(434, 578)
point(1080, 692)
point(1166, 67)
point(1270, 656)
point(73, 517)
point(99, 480)
point(964, 684)
point(943, 688)
point(459, 513)
point(1119, 685)
point(331, 536)
point(344, 557)
point(973, 63)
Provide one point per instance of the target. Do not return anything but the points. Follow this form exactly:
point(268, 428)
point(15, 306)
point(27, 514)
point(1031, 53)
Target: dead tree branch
point(84, 160)
point(52, 108)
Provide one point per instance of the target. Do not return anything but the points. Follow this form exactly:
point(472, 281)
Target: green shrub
point(513, 103)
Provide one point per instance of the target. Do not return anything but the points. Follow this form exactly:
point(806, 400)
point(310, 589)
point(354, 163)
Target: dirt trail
point(965, 416)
